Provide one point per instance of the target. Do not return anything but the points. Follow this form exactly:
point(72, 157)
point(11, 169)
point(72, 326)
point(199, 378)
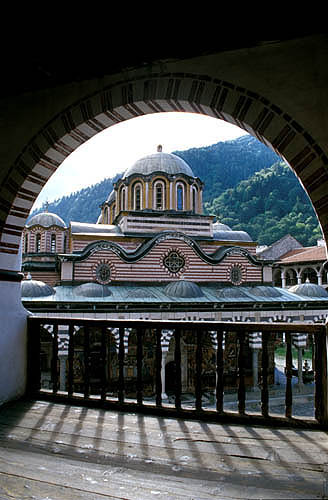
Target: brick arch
point(158, 93)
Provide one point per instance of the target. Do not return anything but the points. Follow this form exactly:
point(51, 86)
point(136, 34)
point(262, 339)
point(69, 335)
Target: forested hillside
point(268, 205)
point(246, 187)
point(223, 165)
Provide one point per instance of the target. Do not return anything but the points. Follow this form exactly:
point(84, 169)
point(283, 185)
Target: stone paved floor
point(52, 451)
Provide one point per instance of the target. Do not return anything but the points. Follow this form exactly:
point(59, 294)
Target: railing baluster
point(103, 361)
point(264, 376)
point(54, 361)
point(121, 366)
point(199, 360)
point(139, 366)
point(70, 360)
point(158, 367)
point(219, 373)
point(40, 344)
point(241, 374)
point(177, 360)
point(86, 362)
point(289, 374)
point(318, 377)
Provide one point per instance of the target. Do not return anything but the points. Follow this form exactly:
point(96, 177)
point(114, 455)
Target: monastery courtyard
point(54, 451)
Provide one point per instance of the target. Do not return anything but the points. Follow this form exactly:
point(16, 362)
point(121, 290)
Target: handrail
point(108, 397)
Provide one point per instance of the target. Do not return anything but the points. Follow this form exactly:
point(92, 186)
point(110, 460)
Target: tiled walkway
point(55, 452)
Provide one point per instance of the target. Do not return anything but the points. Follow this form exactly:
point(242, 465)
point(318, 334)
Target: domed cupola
point(157, 183)
point(34, 288)
point(45, 232)
point(310, 290)
point(46, 220)
point(160, 162)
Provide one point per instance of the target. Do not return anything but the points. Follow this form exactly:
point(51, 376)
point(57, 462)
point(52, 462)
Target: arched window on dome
point(123, 198)
point(159, 195)
point(105, 215)
point(194, 199)
point(137, 197)
point(180, 197)
point(53, 243)
point(38, 243)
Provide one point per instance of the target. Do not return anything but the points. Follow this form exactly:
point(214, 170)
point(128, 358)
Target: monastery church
point(154, 254)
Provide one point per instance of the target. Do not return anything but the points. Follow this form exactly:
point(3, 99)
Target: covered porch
point(55, 451)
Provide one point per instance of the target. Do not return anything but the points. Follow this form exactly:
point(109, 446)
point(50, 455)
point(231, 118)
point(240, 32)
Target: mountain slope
point(246, 187)
point(223, 165)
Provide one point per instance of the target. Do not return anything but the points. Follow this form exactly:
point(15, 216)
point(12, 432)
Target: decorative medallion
point(174, 262)
point(235, 274)
point(103, 273)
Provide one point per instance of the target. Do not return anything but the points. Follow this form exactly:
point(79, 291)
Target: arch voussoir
point(153, 94)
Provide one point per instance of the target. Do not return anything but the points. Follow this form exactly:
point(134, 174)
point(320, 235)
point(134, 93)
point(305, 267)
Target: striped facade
point(151, 267)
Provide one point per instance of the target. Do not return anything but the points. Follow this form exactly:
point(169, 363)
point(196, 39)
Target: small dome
point(160, 162)
point(217, 226)
point(309, 290)
point(111, 196)
point(92, 290)
point(183, 289)
point(46, 219)
point(33, 288)
point(230, 235)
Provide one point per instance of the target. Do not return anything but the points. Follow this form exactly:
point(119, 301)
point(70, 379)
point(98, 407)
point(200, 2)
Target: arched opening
point(159, 195)
point(309, 275)
point(53, 243)
point(180, 196)
point(291, 277)
point(204, 94)
point(137, 201)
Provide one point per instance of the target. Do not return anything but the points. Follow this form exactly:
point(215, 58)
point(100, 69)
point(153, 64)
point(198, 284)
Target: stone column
point(164, 353)
point(283, 278)
point(319, 276)
point(299, 278)
point(255, 343)
point(12, 329)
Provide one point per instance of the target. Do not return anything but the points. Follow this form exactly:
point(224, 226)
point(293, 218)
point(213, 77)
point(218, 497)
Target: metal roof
point(156, 293)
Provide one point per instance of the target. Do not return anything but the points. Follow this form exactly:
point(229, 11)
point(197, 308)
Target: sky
point(118, 147)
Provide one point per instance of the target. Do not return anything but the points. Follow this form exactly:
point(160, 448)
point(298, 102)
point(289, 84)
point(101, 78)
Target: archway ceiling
point(28, 68)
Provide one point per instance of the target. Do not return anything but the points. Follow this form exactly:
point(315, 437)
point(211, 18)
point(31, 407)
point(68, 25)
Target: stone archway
point(174, 92)
point(273, 92)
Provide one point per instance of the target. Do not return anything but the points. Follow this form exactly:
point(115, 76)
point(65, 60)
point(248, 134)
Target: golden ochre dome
point(168, 163)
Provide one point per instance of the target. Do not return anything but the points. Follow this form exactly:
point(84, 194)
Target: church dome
point(183, 289)
point(310, 290)
point(46, 219)
point(33, 288)
point(92, 290)
point(159, 162)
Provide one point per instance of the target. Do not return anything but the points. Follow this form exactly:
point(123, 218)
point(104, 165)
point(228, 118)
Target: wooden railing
point(124, 365)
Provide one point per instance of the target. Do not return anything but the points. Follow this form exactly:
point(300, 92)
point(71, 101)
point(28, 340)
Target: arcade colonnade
point(275, 92)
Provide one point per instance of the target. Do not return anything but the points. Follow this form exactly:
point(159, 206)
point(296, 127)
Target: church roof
point(307, 254)
point(46, 219)
point(168, 163)
point(100, 229)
